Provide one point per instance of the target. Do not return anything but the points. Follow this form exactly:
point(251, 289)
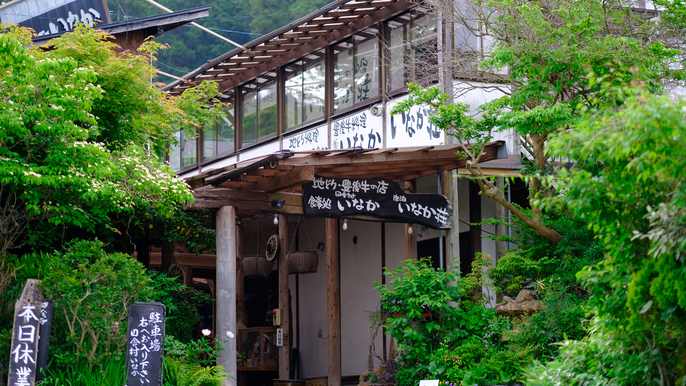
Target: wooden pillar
point(284, 300)
point(226, 290)
point(411, 239)
point(452, 253)
point(333, 302)
point(500, 229)
point(167, 256)
point(474, 217)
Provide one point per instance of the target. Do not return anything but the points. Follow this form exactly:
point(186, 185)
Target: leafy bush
point(538, 260)
point(179, 373)
point(452, 317)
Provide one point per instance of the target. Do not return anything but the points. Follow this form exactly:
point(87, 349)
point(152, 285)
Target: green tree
point(82, 133)
point(542, 52)
point(629, 184)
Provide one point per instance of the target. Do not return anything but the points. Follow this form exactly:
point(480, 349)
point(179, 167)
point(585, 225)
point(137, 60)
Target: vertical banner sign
point(145, 344)
point(25, 336)
point(377, 197)
point(46, 312)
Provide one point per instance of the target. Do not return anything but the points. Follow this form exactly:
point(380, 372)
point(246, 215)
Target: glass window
point(218, 138)
point(258, 109)
point(184, 152)
point(356, 69)
point(413, 51)
point(305, 90)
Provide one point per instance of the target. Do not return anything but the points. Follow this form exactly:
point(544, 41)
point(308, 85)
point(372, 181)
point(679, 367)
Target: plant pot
point(303, 262)
point(257, 266)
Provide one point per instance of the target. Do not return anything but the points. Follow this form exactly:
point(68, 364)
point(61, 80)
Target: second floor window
point(258, 109)
point(304, 86)
point(218, 138)
point(356, 69)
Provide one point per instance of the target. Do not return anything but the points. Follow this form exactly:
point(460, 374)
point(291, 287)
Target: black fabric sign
point(145, 344)
point(378, 197)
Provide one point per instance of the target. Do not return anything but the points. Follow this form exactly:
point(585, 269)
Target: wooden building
point(310, 104)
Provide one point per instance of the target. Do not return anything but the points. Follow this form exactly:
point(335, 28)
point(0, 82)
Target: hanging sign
point(24, 350)
point(378, 197)
point(145, 343)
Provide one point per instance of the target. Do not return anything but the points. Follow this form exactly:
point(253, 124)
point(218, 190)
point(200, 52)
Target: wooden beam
point(285, 180)
point(391, 9)
point(247, 200)
point(284, 300)
point(333, 303)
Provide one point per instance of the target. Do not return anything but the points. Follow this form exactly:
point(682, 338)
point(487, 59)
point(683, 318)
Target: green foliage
point(81, 138)
point(182, 313)
point(537, 260)
point(202, 352)
point(179, 373)
point(111, 372)
point(629, 185)
point(92, 290)
point(424, 342)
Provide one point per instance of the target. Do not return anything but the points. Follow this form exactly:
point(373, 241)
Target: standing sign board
point(378, 197)
point(23, 354)
point(46, 313)
point(145, 344)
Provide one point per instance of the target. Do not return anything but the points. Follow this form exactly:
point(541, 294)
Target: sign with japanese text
point(358, 130)
point(145, 344)
point(48, 17)
point(312, 139)
point(24, 350)
point(378, 197)
point(412, 128)
point(46, 312)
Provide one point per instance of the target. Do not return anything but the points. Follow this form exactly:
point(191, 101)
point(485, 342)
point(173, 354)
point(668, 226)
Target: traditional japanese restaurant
point(332, 188)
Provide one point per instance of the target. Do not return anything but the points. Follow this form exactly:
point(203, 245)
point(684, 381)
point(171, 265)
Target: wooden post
point(500, 229)
point(333, 302)
point(226, 290)
point(24, 348)
point(474, 230)
point(284, 300)
point(452, 253)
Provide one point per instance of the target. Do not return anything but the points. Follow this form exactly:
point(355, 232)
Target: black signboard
point(51, 19)
point(46, 312)
point(22, 371)
point(145, 344)
point(378, 197)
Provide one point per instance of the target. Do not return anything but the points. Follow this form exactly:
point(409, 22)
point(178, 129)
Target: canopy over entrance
point(259, 185)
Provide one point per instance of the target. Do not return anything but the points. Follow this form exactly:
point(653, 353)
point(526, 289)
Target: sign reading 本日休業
point(145, 344)
point(378, 197)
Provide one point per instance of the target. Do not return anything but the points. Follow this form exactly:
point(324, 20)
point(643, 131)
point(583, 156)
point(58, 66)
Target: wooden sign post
point(46, 312)
point(145, 344)
point(23, 354)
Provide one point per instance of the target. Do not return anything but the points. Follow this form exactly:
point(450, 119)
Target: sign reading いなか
point(378, 197)
point(145, 343)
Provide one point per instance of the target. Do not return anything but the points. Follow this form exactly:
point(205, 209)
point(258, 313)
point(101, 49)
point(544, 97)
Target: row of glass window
point(410, 55)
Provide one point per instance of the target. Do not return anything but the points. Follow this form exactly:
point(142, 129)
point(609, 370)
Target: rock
point(523, 304)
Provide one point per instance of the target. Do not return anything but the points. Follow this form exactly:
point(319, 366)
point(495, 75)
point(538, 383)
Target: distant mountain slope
point(238, 20)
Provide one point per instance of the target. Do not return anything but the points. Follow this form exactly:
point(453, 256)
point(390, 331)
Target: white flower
point(206, 332)
point(230, 335)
